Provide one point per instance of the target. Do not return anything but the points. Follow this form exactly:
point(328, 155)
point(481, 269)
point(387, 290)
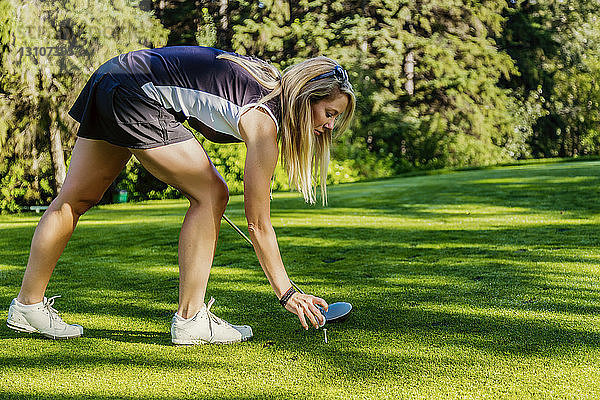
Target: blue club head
point(337, 312)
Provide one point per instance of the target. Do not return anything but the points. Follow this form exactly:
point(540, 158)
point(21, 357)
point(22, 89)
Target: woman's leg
point(94, 165)
point(186, 166)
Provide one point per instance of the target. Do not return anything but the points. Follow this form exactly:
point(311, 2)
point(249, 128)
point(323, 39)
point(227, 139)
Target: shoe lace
point(52, 313)
point(212, 317)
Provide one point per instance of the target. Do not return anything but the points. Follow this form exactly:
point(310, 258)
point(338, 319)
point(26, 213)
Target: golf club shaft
point(238, 230)
point(333, 319)
point(242, 234)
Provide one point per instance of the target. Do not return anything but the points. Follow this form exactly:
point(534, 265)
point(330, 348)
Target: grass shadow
point(473, 284)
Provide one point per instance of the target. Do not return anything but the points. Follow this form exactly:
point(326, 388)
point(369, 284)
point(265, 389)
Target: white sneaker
point(205, 327)
point(41, 318)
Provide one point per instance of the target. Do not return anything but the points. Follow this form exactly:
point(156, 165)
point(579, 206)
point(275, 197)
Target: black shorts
point(112, 107)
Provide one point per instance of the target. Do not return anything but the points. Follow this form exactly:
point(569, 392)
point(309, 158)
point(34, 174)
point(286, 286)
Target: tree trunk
point(223, 14)
point(409, 70)
point(223, 35)
point(35, 168)
point(563, 142)
point(162, 4)
point(58, 157)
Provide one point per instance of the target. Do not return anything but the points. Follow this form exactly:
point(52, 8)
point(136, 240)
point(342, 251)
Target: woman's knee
point(217, 195)
point(77, 204)
point(220, 194)
point(223, 195)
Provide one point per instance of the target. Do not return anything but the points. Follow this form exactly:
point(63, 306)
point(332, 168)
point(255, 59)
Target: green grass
point(471, 284)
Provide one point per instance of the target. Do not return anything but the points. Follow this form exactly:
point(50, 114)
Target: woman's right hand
point(305, 306)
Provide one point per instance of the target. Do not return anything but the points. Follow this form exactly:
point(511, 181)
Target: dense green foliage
point(557, 52)
point(489, 81)
point(439, 83)
point(457, 114)
point(470, 285)
point(479, 88)
point(53, 48)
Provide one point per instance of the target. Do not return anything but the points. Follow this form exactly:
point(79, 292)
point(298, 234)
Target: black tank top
point(190, 81)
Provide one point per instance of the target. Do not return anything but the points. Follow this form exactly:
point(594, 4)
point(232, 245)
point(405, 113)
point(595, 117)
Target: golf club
point(337, 312)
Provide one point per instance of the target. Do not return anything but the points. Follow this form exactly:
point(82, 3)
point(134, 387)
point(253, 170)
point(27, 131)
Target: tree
point(555, 47)
point(454, 111)
point(55, 46)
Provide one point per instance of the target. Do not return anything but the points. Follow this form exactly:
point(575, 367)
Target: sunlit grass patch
point(472, 284)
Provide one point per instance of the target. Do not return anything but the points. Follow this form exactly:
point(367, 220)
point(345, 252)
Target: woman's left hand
point(305, 306)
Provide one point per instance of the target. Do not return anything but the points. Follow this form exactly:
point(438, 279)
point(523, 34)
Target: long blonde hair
point(302, 152)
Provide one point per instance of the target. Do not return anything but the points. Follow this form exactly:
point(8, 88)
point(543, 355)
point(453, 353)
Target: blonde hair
point(302, 151)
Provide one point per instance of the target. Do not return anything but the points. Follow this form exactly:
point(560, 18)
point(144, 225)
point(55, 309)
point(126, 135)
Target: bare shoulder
point(256, 124)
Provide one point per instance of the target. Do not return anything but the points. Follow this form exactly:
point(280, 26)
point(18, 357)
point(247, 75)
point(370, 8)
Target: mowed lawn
point(470, 284)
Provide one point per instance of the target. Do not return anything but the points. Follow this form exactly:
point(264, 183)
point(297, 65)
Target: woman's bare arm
point(259, 134)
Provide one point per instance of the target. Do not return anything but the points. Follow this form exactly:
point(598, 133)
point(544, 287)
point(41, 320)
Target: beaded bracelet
point(286, 296)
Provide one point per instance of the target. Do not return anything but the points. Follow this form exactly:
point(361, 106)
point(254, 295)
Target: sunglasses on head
point(338, 72)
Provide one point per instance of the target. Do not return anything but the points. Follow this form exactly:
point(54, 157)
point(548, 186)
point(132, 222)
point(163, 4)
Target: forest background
point(439, 83)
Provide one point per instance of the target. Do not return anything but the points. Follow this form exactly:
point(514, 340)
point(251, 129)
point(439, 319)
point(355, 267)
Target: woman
point(134, 104)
